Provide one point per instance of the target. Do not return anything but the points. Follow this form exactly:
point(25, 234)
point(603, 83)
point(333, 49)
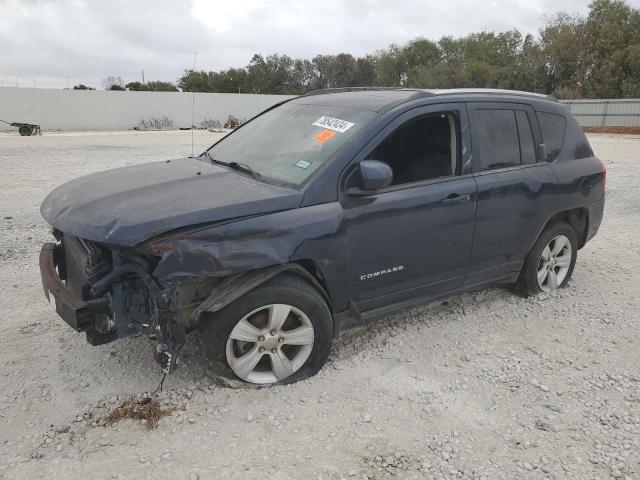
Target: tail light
point(604, 178)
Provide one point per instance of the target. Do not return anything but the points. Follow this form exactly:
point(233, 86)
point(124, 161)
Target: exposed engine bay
point(127, 299)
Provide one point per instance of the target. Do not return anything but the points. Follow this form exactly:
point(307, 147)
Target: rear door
point(515, 188)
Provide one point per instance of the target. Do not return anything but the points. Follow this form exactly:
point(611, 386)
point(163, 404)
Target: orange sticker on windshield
point(324, 136)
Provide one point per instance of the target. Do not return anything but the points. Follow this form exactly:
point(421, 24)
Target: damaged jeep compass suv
point(326, 210)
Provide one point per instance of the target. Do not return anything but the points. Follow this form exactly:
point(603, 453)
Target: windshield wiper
point(235, 165)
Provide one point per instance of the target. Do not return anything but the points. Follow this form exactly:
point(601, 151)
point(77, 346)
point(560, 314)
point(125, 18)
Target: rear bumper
point(79, 314)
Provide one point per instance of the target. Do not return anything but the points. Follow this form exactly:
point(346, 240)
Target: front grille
point(85, 263)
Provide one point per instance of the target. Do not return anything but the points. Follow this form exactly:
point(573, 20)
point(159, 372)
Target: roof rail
point(435, 91)
point(493, 91)
point(361, 89)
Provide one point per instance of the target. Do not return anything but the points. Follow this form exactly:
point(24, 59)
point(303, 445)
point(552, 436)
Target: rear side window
point(553, 128)
point(497, 134)
point(527, 149)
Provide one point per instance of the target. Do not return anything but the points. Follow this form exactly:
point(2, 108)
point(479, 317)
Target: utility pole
point(143, 75)
point(67, 82)
point(193, 100)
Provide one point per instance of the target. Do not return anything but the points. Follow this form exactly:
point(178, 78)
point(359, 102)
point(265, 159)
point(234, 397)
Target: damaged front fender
point(234, 286)
point(246, 252)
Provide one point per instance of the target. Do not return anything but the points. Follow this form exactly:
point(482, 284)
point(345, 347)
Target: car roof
point(374, 99)
point(381, 98)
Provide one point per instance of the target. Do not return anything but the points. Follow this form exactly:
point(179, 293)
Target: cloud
point(42, 42)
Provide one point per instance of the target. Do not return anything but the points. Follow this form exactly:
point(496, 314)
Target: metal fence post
point(604, 115)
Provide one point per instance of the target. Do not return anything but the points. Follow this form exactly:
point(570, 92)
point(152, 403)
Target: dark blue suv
point(324, 211)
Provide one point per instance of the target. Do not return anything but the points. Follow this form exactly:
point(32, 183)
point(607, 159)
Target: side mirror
point(369, 177)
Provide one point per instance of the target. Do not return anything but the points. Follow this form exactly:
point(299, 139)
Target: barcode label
point(334, 124)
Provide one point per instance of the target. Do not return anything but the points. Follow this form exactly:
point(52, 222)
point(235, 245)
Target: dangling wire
point(159, 388)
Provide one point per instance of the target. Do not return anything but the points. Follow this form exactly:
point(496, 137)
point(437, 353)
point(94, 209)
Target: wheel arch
point(235, 286)
point(576, 218)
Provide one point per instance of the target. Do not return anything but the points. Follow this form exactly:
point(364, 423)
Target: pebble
point(543, 425)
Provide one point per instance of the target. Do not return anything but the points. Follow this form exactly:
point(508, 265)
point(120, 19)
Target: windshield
point(289, 143)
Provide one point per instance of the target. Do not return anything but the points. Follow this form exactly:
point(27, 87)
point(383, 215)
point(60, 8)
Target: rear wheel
point(280, 332)
point(550, 262)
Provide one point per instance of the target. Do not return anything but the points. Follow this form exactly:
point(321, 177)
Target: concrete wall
point(106, 110)
point(102, 110)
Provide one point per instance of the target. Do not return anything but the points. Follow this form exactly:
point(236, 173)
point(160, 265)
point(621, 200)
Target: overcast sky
point(42, 42)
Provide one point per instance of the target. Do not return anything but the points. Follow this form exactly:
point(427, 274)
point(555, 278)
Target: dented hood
point(129, 205)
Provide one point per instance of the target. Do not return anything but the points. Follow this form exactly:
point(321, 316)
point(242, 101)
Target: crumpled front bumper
point(79, 314)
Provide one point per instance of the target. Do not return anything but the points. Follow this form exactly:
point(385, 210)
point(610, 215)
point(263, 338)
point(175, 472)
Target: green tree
point(304, 76)
point(135, 86)
point(159, 86)
point(564, 43)
point(193, 81)
point(156, 86)
point(345, 70)
point(614, 29)
point(391, 67)
point(365, 71)
point(324, 67)
point(113, 83)
point(420, 55)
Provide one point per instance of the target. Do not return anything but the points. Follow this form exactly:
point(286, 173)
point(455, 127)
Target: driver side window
point(424, 148)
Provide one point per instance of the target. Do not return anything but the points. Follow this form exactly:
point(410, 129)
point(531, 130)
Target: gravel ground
point(484, 385)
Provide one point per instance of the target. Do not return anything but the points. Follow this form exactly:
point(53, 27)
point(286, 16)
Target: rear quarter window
point(553, 128)
point(527, 148)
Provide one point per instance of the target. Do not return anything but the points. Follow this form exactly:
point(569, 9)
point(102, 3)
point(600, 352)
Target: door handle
point(455, 198)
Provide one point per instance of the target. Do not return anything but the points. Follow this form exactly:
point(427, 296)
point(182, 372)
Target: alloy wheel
point(270, 343)
point(554, 263)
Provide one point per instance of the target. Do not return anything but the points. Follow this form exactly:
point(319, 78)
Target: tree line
point(117, 84)
point(591, 56)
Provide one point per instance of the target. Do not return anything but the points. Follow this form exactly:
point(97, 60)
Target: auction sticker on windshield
point(334, 124)
point(324, 135)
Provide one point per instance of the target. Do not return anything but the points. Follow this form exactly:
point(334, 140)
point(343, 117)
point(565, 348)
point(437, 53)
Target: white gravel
point(484, 385)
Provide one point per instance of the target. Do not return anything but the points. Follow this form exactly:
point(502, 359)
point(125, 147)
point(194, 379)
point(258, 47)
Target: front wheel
point(280, 332)
point(550, 262)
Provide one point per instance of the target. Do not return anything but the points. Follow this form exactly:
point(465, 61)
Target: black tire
point(527, 283)
point(216, 327)
point(25, 131)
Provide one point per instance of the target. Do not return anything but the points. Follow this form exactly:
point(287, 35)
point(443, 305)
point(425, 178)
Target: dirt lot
point(484, 385)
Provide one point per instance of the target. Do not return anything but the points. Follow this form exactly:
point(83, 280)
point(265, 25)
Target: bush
point(208, 123)
point(153, 123)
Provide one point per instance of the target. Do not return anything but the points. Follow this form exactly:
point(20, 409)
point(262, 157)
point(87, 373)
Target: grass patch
point(147, 410)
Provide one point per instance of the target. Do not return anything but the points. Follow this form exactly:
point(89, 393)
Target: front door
point(413, 238)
